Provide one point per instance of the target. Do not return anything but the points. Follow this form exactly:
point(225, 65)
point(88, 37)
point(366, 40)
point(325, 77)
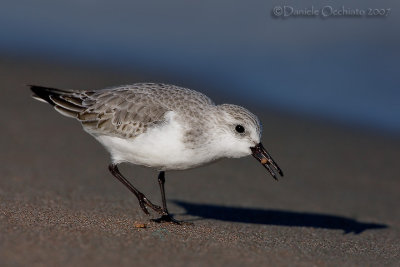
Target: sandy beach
point(338, 203)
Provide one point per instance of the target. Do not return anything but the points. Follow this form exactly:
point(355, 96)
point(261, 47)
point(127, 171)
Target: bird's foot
point(167, 218)
point(143, 202)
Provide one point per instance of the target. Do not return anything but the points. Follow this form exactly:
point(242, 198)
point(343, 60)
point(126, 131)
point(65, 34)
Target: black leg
point(166, 217)
point(161, 182)
point(143, 201)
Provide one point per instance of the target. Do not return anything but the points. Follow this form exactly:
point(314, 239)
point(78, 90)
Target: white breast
point(160, 147)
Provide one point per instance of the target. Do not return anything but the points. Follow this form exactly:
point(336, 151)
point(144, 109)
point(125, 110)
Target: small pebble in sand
point(140, 225)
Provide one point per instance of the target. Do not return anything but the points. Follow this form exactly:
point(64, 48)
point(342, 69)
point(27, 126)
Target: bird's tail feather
point(64, 101)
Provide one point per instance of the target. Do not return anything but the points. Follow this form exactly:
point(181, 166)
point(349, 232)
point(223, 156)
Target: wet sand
point(338, 203)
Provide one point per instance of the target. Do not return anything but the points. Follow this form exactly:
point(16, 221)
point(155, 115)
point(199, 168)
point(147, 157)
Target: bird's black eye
point(239, 128)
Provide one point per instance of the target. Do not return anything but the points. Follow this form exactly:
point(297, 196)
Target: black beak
point(266, 160)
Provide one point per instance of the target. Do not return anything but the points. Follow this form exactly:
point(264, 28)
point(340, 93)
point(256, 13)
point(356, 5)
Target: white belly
point(160, 147)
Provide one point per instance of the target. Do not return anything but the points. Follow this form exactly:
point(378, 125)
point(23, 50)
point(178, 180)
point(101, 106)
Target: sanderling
point(161, 126)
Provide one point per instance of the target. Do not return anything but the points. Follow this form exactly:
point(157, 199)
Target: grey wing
point(119, 112)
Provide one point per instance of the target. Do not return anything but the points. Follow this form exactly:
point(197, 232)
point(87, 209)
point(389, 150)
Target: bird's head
point(242, 134)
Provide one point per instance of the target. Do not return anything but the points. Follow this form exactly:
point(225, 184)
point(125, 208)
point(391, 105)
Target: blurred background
point(326, 89)
point(342, 69)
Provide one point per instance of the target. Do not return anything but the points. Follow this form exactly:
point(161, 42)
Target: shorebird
point(162, 126)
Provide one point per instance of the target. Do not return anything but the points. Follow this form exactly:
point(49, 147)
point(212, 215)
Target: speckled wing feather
point(123, 111)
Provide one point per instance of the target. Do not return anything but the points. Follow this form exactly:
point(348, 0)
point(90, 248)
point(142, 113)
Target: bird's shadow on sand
point(277, 217)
